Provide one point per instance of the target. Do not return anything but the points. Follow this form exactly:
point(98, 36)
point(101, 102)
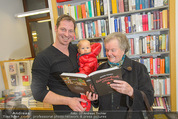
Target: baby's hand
point(92, 96)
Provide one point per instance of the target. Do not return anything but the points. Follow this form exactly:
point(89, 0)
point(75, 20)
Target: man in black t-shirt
point(59, 57)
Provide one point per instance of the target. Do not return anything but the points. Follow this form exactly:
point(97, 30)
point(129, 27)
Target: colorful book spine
point(115, 25)
point(98, 7)
point(89, 9)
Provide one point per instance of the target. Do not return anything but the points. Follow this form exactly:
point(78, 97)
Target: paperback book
point(96, 82)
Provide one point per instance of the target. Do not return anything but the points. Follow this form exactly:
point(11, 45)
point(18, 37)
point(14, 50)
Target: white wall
point(14, 41)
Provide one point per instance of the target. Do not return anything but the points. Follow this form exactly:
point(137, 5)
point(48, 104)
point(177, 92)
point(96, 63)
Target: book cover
point(96, 82)
point(12, 68)
point(14, 80)
point(25, 80)
point(23, 67)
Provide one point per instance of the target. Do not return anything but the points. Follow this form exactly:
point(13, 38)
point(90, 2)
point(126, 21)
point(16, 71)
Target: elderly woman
point(134, 74)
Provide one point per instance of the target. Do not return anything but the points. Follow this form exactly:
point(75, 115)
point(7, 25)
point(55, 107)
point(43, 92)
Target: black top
point(137, 76)
point(46, 68)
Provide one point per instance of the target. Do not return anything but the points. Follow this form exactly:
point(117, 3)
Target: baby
point(87, 56)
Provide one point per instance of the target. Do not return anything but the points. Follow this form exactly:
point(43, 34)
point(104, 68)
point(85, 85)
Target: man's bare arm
point(72, 102)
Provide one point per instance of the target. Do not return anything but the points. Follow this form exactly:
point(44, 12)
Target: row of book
point(119, 6)
point(161, 103)
point(149, 44)
point(161, 86)
point(87, 9)
point(91, 29)
point(140, 22)
point(94, 8)
point(124, 24)
point(158, 65)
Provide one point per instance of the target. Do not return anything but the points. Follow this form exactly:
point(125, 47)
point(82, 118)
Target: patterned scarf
point(119, 64)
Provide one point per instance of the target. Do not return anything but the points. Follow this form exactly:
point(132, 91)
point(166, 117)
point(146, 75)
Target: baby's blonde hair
point(81, 41)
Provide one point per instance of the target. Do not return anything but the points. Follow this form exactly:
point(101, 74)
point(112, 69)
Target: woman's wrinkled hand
point(122, 87)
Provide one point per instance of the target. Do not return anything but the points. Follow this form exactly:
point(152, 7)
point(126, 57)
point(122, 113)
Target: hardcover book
point(97, 82)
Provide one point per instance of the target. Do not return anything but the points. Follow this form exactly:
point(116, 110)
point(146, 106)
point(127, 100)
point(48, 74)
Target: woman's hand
point(91, 97)
point(122, 87)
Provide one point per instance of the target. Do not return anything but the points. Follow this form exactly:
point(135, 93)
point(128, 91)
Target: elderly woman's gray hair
point(121, 38)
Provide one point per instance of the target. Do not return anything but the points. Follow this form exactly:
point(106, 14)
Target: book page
point(74, 75)
point(103, 70)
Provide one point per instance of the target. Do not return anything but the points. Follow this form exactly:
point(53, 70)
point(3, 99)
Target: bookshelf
point(169, 30)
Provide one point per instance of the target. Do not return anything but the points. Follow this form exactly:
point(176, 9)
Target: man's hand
point(74, 104)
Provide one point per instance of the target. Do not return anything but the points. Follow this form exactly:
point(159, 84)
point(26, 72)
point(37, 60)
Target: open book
point(97, 82)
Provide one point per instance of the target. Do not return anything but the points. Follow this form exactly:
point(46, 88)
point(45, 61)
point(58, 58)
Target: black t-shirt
point(46, 68)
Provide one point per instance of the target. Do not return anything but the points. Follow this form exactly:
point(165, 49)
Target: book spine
point(165, 18)
point(94, 7)
point(121, 6)
point(157, 20)
point(83, 30)
point(105, 7)
point(115, 25)
point(98, 7)
point(126, 5)
point(83, 11)
point(101, 7)
point(86, 30)
point(129, 24)
point(137, 4)
point(161, 20)
point(167, 64)
point(114, 6)
point(154, 20)
point(151, 65)
point(89, 9)
point(126, 24)
point(162, 66)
